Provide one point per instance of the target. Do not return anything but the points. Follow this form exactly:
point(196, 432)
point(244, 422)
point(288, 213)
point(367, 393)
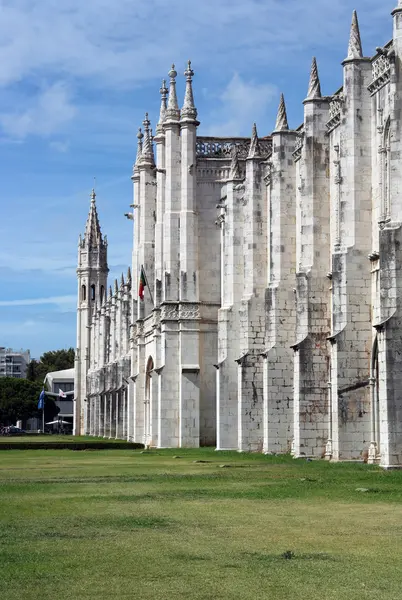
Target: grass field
point(118, 524)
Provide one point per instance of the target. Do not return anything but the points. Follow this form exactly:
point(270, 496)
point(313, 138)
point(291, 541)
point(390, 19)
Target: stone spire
point(314, 88)
point(189, 112)
point(129, 276)
point(116, 286)
point(235, 166)
point(122, 281)
point(140, 136)
point(355, 43)
point(93, 235)
point(172, 111)
point(147, 149)
point(282, 119)
point(162, 113)
point(254, 151)
point(110, 293)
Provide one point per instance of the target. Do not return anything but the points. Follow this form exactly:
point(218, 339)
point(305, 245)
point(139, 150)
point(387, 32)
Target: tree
point(53, 360)
point(19, 401)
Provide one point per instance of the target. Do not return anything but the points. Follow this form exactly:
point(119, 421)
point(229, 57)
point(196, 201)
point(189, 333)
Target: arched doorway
point(148, 402)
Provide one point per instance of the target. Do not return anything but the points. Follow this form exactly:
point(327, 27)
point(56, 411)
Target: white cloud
point(241, 103)
point(126, 41)
point(63, 302)
point(51, 110)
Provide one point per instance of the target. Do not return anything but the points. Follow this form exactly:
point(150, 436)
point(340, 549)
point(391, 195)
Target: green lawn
point(121, 524)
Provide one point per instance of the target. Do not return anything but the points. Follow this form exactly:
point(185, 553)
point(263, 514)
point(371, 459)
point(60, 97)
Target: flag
point(143, 283)
point(41, 403)
point(62, 394)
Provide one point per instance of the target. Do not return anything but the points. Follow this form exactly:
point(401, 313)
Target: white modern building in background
point(14, 363)
point(272, 318)
point(60, 384)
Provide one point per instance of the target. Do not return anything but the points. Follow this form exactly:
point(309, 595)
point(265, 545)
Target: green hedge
point(70, 446)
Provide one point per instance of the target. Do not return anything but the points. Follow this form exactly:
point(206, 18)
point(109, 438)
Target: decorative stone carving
point(210, 147)
point(335, 112)
point(381, 73)
point(169, 312)
point(189, 311)
point(298, 146)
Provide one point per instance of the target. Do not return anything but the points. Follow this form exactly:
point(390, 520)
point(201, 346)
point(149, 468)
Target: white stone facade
point(272, 311)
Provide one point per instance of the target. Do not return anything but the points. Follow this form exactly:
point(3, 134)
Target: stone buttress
point(280, 309)
point(311, 360)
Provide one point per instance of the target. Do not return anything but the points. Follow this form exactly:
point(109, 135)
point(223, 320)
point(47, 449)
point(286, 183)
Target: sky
point(75, 81)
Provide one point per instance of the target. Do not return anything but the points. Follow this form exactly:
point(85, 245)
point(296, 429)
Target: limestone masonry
point(271, 318)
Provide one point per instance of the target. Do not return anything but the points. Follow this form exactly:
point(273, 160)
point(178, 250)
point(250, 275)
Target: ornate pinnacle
point(314, 88)
point(254, 151)
point(234, 167)
point(355, 43)
point(147, 149)
point(172, 111)
point(122, 281)
point(282, 119)
point(129, 276)
point(116, 286)
point(189, 112)
point(93, 235)
point(110, 292)
point(140, 135)
point(162, 114)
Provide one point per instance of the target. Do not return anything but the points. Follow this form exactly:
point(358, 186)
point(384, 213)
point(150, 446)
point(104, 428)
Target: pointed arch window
point(83, 293)
point(93, 292)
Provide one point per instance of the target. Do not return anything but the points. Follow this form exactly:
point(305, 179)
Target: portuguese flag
point(143, 283)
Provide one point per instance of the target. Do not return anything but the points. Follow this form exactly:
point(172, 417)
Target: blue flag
point(41, 403)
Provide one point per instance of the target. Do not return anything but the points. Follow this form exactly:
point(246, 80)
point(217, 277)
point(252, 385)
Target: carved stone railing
point(335, 111)
point(298, 146)
point(381, 67)
point(215, 147)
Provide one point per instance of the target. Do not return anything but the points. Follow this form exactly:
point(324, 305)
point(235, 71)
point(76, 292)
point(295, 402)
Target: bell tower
point(92, 274)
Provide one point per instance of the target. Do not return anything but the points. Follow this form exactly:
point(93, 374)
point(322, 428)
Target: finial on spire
point(140, 136)
point(172, 111)
point(147, 149)
point(314, 88)
point(234, 166)
point(282, 119)
point(93, 195)
point(355, 43)
point(162, 113)
point(189, 112)
point(254, 151)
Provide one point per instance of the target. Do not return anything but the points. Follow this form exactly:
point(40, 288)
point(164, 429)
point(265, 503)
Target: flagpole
point(146, 281)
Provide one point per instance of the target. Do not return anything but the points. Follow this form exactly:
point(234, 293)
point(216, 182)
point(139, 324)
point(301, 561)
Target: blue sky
point(75, 80)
